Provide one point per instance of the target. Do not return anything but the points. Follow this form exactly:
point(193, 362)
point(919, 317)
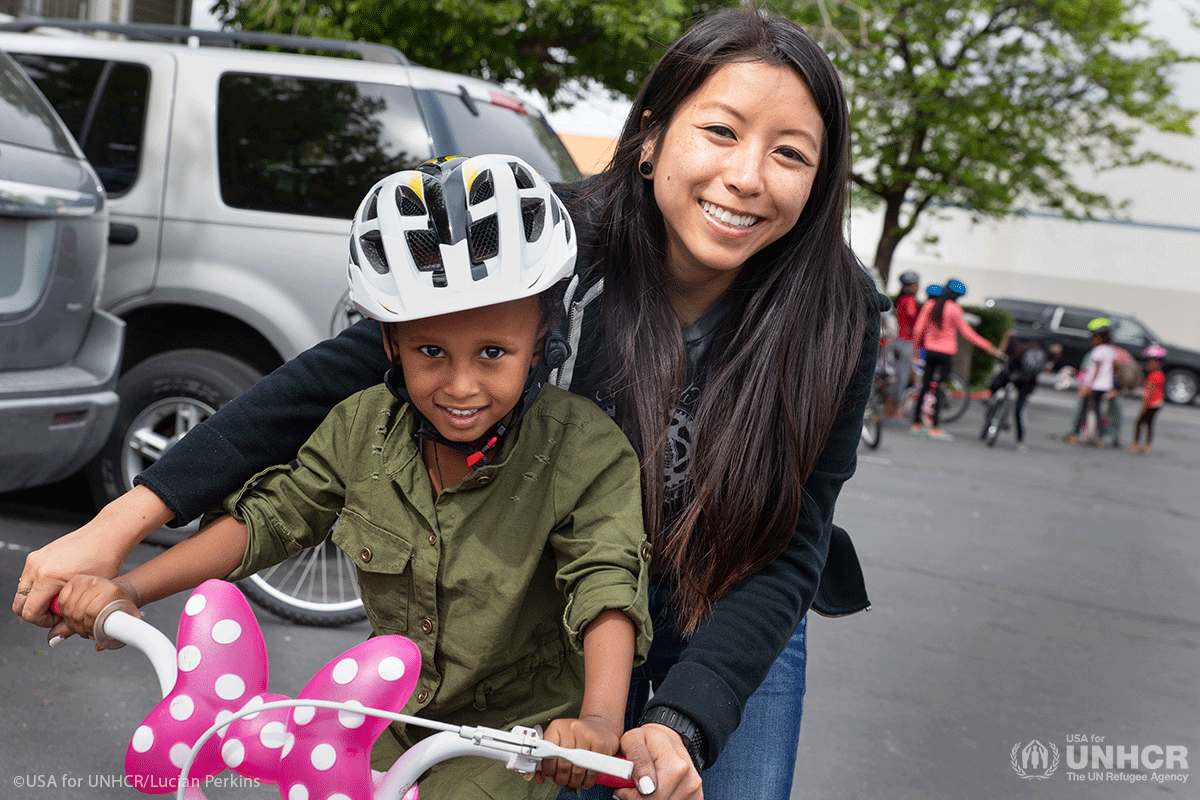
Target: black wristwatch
point(693, 738)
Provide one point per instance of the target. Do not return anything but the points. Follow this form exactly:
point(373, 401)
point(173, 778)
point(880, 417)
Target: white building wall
point(1147, 265)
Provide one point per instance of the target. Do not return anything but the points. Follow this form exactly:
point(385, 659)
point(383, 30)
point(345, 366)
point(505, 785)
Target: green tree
point(993, 106)
point(555, 47)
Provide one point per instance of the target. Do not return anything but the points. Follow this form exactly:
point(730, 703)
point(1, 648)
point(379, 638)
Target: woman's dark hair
point(780, 365)
point(939, 308)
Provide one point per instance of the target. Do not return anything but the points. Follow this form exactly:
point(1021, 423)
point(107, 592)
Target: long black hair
point(780, 365)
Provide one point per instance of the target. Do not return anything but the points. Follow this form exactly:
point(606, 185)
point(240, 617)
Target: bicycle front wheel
point(955, 397)
point(317, 586)
point(872, 427)
point(996, 417)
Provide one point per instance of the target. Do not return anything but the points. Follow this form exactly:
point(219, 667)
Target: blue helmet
point(933, 290)
point(909, 277)
point(956, 286)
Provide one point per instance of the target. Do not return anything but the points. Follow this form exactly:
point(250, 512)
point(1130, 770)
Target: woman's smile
point(728, 217)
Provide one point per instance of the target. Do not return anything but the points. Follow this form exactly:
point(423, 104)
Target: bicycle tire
point(996, 418)
point(317, 586)
point(872, 427)
point(955, 397)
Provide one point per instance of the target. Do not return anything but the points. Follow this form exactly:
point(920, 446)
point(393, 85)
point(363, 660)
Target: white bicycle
point(216, 713)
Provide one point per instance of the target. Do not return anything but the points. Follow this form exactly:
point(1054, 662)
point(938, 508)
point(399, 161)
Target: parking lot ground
point(1018, 598)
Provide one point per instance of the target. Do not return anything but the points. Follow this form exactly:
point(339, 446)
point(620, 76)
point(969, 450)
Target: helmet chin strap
point(556, 352)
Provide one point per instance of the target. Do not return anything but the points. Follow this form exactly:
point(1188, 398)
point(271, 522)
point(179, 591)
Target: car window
point(1076, 322)
point(27, 120)
point(480, 128)
point(313, 147)
point(103, 104)
point(1126, 331)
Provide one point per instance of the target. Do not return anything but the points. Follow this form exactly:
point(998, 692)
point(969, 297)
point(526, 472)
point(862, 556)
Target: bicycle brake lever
point(528, 748)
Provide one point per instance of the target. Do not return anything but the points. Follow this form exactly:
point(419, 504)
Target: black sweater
point(727, 658)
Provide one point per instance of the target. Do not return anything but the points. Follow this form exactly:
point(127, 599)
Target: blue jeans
point(760, 757)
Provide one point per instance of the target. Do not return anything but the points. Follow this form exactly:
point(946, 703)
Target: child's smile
point(466, 371)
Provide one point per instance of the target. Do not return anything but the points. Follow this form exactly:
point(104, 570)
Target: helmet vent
point(533, 212)
point(484, 238)
point(410, 204)
point(424, 248)
point(372, 247)
point(524, 179)
point(371, 211)
point(483, 188)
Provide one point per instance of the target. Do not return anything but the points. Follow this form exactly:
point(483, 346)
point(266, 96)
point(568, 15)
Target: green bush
point(993, 323)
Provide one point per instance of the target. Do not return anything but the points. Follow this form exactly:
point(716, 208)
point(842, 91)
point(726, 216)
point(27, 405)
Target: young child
point(1096, 380)
point(1152, 397)
point(494, 521)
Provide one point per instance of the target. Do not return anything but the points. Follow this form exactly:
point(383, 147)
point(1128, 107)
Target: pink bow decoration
point(310, 753)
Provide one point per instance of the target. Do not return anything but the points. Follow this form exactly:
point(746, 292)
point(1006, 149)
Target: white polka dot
point(288, 744)
point(226, 631)
point(179, 754)
point(273, 735)
point(391, 668)
point(338, 796)
point(297, 792)
point(143, 738)
point(189, 658)
point(323, 756)
point(303, 714)
point(233, 752)
point(348, 718)
point(182, 707)
point(195, 604)
point(223, 715)
point(253, 702)
point(345, 670)
point(230, 687)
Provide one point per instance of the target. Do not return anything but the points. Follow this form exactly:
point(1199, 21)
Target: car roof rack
point(151, 32)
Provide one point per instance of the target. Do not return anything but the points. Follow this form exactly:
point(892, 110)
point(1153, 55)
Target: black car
point(1053, 323)
point(59, 354)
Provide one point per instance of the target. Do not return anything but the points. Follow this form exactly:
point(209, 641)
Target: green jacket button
point(365, 555)
point(427, 625)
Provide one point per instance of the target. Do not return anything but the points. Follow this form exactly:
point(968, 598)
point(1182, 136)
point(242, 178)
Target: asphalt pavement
point(1048, 598)
point(1029, 611)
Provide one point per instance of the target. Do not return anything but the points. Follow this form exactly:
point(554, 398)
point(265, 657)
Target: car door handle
point(121, 233)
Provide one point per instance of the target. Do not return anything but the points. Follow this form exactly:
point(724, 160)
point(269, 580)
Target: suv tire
point(162, 398)
point(1181, 386)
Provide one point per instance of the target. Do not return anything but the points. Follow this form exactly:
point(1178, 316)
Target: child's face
point(465, 371)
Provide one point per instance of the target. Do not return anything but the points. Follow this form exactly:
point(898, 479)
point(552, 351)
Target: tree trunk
point(889, 238)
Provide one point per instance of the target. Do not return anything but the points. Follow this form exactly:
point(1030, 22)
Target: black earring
point(646, 168)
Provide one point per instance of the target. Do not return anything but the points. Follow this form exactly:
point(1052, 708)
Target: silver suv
point(58, 354)
point(232, 174)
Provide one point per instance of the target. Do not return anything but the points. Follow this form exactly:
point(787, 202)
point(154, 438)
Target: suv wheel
point(1181, 386)
point(162, 398)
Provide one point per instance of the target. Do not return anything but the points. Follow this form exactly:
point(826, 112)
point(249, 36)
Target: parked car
point(59, 354)
point(232, 174)
point(1067, 326)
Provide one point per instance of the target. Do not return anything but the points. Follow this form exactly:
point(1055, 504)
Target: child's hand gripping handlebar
point(212, 612)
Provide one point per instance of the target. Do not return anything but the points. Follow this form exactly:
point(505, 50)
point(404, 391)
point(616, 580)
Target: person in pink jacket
point(937, 328)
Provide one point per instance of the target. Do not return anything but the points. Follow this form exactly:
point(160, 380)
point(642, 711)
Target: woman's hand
point(662, 768)
point(586, 733)
point(98, 548)
point(83, 598)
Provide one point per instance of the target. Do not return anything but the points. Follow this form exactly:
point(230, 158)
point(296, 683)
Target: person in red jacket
point(907, 309)
point(1152, 397)
point(937, 328)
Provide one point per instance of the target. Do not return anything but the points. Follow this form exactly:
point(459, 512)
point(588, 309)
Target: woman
point(722, 319)
point(937, 329)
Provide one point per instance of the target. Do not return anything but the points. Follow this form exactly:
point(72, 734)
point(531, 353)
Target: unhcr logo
point(1034, 761)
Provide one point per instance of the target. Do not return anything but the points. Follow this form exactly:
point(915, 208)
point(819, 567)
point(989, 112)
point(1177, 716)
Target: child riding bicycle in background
point(1024, 360)
point(494, 521)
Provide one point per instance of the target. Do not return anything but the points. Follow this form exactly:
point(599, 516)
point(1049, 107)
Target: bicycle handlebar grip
point(613, 782)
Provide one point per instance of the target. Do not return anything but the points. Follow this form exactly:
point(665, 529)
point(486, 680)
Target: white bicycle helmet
point(457, 233)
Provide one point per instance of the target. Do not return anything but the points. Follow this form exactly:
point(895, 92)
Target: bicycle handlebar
point(522, 749)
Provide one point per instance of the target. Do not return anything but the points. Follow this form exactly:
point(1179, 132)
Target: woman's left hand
point(662, 768)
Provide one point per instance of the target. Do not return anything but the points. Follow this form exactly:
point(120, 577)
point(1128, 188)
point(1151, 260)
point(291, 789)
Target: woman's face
point(734, 168)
